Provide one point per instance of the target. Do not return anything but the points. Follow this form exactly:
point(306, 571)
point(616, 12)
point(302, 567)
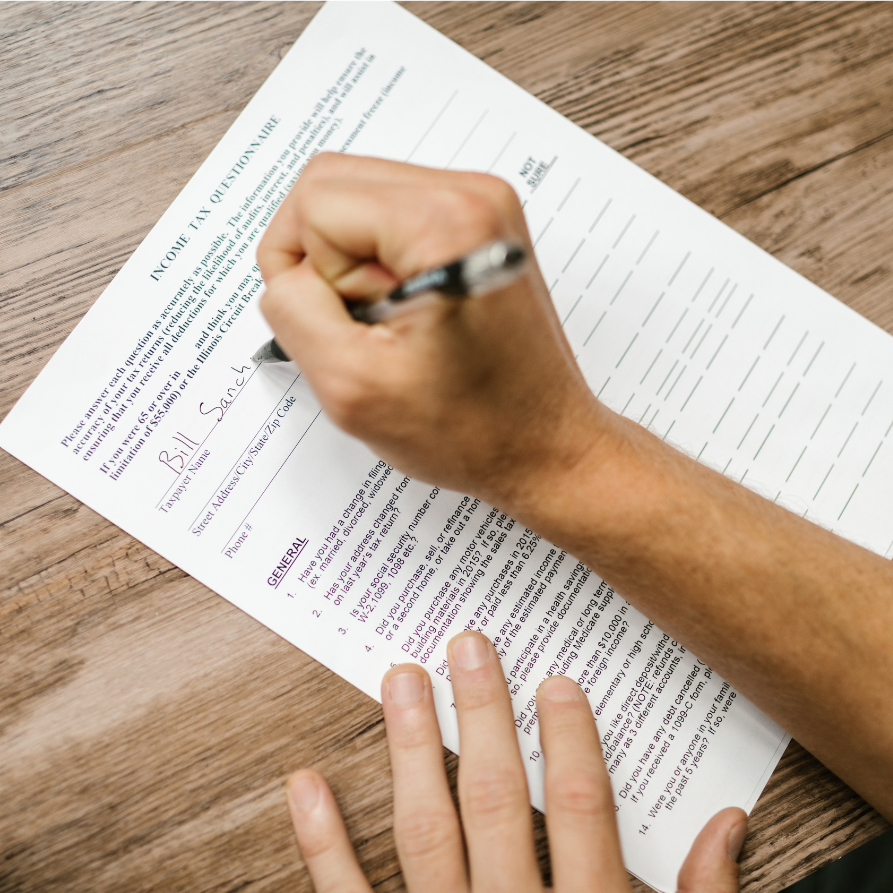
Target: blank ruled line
point(754, 366)
point(723, 415)
point(467, 138)
point(270, 482)
point(598, 270)
point(872, 458)
point(653, 309)
point(825, 478)
point(576, 304)
point(594, 328)
point(501, 152)
point(741, 313)
point(603, 387)
point(726, 301)
point(570, 191)
point(552, 286)
point(600, 214)
point(627, 350)
point(703, 448)
point(718, 296)
point(656, 411)
point(629, 223)
point(679, 269)
point(794, 468)
point(727, 466)
point(425, 134)
point(889, 430)
point(678, 323)
point(675, 383)
point(641, 417)
point(703, 337)
point(623, 411)
point(806, 370)
point(622, 286)
point(872, 396)
point(701, 286)
point(669, 430)
point(845, 380)
point(848, 439)
point(582, 243)
point(822, 419)
point(718, 349)
point(771, 392)
point(651, 367)
point(757, 453)
point(543, 232)
point(743, 476)
point(675, 364)
point(774, 332)
point(848, 502)
point(692, 336)
point(650, 243)
point(789, 399)
point(797, 348)
point(692, 393)
point(749, 428)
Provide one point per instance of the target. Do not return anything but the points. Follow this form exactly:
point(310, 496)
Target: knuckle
point(579, 794)
point(494, 796)
point(315, 845)
point(423, 834)
point(500, 192)
point(322, 164)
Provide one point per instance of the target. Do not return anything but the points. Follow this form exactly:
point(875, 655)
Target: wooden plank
point(145, 724)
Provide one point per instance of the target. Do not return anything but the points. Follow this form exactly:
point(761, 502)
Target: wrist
point(557, 490)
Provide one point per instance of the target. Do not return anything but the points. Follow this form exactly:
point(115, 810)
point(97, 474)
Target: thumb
point(710, 866)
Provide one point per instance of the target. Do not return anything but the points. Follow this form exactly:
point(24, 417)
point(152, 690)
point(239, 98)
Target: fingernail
point(736, 839)
point(406, 689)
point(303, 791)
point(470, 652)
point(560, 688)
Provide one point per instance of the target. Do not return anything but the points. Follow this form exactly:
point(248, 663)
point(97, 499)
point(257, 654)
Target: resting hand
point(481, 395)
point(498, 849)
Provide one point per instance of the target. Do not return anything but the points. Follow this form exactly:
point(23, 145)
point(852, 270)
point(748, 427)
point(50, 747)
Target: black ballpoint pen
point(492, 266)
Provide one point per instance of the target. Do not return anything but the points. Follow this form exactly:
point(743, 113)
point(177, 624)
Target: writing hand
point(482, 395)
point(493, 847)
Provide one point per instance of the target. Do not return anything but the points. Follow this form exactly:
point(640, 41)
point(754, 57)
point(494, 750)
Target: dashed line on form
point(678, 269)
point(501, 152)
point(576, 183)
point(431, 127)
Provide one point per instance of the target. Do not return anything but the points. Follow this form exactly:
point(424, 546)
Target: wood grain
point(146, 725)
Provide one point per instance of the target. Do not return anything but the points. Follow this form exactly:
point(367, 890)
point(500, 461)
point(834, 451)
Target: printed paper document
point(232, 472)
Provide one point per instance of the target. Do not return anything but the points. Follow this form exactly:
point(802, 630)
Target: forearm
point(799, 620)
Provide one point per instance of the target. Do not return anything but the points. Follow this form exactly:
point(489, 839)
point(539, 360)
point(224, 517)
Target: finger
point(289, 238)
point(711, 865)
point(426, 827)
point(322, 836)
point(583, 838)
point(407, 228)
point(493, 792)
point(299, 303)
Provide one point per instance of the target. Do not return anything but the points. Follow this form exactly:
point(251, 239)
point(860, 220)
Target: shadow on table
point(868, 869)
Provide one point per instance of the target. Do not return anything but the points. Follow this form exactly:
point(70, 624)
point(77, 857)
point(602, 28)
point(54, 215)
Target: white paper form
point(232, 472)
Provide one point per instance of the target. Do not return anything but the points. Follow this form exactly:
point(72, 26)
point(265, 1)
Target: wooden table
point(146, 724)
